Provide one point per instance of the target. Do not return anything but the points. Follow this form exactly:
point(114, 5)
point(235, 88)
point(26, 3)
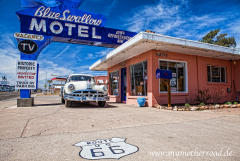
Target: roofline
point(148, 37)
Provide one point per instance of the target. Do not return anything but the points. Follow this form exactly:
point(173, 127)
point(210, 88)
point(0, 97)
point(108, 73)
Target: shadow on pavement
point(48, 104)
point(90, 105)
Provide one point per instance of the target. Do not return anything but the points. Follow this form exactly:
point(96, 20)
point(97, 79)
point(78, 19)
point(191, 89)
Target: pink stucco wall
point(196, 78)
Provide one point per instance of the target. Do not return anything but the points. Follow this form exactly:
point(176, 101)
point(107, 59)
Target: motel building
point(195, 66)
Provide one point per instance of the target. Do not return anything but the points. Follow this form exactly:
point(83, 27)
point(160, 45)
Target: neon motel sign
point(69, 25)
point(42, 25)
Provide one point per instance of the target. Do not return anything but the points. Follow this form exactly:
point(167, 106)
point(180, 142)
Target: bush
point(217, 95)
point(228, 103)
point(187, 104)
point(203, 96)
point(235, 103)
point(202, 104)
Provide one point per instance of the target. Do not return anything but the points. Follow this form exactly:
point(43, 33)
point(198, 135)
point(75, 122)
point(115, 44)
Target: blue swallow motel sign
point(47, 21)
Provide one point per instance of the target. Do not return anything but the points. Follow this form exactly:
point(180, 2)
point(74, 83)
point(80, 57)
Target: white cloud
point(176, 18)
point(62, 52)
point(109, 8)
point(99, 54)
point(90, 56)
point(9, 54)
point(103, 52)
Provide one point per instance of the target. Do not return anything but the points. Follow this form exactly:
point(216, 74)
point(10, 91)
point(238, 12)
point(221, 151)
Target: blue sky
point(190, 19)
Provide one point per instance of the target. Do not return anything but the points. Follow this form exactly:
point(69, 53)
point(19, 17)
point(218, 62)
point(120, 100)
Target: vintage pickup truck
point(83, 88)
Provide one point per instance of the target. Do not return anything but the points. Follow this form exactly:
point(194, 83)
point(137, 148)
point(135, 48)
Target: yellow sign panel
point(28, 36)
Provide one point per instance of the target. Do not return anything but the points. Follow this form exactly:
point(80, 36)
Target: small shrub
point(202, 104)
point(235, 103)
point(203, 96)
point(187, 104)
point(228, 103)
point(217, 95)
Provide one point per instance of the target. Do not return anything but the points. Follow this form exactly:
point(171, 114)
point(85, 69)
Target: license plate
point(89, 98)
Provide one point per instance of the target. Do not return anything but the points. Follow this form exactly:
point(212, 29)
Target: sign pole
point(169, 92)
point(165, 74)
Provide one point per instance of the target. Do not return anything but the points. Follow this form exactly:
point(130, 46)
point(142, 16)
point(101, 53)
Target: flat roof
point(145, 41)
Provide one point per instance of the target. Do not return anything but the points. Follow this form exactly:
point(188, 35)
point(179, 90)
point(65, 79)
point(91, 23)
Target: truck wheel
point(62, 100)
point(68, 103)
point(101, 103)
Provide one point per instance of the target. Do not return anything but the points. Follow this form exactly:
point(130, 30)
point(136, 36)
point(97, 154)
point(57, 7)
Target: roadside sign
point(163, 74)
point(27, 47)
point(167, 74)
point(26, 74)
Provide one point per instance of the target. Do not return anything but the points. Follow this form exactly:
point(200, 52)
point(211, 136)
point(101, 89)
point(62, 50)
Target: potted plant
point(187, 106)
point(227, 104)
point(235, 104)
point(202, 106)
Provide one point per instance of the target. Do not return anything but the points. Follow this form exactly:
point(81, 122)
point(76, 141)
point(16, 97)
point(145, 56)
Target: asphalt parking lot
point(50, 131)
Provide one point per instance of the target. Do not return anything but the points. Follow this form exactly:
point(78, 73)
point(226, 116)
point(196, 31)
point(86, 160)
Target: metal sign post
point(165, 74)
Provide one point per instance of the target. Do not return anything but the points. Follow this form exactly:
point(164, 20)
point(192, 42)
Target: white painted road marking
point(113, 148)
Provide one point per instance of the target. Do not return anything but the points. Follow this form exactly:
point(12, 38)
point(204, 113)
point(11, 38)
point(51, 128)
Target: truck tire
point(68, 103)
point(101, 103)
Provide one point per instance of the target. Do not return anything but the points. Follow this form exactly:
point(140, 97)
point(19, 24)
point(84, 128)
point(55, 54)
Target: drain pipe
point(197, 73)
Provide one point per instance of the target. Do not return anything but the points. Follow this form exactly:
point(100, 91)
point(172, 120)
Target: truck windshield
point(81, 78)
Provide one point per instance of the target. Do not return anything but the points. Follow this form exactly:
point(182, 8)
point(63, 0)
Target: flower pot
point(141, 101)
point(226, 106)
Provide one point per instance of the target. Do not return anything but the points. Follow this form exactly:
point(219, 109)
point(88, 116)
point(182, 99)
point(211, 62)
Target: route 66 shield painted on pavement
point(113, 148)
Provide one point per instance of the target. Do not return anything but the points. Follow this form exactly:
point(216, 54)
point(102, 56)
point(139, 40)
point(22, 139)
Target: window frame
point(144, 81)
point(220, 74)
point(186, 75)
point(110, 82)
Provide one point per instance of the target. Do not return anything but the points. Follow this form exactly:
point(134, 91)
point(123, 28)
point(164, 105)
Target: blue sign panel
point(163, 74)
point(71, 26)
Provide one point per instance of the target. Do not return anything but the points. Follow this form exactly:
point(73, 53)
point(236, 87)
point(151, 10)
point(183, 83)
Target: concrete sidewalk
point(48, 130)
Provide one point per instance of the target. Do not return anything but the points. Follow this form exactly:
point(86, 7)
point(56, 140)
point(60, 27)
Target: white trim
point(143, 42)
point(186, 73)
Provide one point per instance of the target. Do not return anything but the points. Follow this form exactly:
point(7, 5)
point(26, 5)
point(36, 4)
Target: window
point(80, 78)
point(216, 74)
point(114, 82)
point(138, 78)
point(178, 76)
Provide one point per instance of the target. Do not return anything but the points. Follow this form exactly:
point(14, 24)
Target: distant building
point(101, 80)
